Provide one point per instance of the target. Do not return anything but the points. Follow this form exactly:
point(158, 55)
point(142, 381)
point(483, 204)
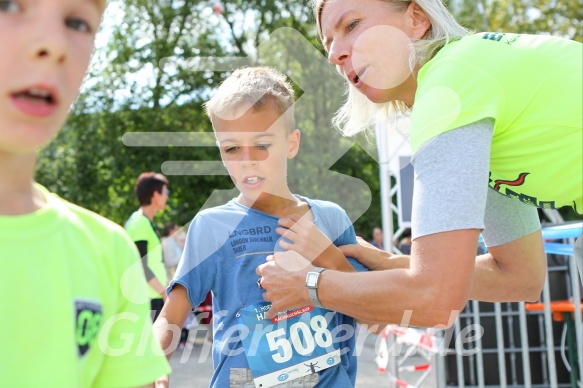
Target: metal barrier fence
point(505, 344)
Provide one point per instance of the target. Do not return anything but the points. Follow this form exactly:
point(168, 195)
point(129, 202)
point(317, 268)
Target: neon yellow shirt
point(531, 86)
point(140, 228)
point(66, 277)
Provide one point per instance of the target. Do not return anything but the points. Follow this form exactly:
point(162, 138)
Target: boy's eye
point(230, 150)
point(352, 25)
point(78, 25)
point(9, 6)
point(263, 146)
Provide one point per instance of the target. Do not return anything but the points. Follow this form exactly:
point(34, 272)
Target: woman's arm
point(431, 289)
point(451, 175)
point(515, 266)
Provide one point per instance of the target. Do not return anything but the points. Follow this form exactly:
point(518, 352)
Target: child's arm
point(314, 245)
point(309, 241)
point(171, 320)
point(373, 258)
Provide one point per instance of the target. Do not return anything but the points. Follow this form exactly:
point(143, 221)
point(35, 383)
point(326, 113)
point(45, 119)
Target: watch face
point(312, 279)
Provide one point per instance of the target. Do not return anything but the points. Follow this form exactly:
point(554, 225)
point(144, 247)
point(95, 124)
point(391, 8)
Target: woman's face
point(369, 42)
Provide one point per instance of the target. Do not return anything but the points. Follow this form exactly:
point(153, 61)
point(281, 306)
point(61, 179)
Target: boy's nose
point(50, 41)
point(251, 155)
point(246, 158)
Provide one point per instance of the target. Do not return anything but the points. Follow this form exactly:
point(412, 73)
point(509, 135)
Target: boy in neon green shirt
point(71, 280)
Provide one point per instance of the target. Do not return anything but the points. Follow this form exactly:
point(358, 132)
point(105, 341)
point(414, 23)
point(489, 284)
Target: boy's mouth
point(252, 180)
point(39, 96)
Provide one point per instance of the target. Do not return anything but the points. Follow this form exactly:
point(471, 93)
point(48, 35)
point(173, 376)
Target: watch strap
point(313, 291)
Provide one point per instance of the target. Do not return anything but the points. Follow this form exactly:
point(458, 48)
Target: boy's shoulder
point(80, 217)
point(322, 205)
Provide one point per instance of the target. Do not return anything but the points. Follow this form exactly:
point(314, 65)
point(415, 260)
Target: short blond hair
point(255, 87)
point(102, 4)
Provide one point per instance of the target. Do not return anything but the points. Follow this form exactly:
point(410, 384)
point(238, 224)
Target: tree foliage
point(560, 18)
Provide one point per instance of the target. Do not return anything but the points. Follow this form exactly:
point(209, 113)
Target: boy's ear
point(293, 143)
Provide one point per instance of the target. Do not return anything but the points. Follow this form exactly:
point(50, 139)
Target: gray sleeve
point(451, 191)
point(507, 219)
point(451, 180)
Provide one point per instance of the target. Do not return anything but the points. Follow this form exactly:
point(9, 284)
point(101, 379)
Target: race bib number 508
point(289, 346)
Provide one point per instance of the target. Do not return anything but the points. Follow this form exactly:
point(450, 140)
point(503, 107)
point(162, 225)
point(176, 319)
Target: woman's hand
point(283, 278)
point(372, 257)
point(310, 242)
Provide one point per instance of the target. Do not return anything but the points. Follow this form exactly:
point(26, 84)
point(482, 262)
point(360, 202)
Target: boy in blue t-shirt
point(253, 120)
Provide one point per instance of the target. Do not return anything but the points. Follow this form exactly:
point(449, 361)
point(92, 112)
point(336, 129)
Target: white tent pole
point(385, 180)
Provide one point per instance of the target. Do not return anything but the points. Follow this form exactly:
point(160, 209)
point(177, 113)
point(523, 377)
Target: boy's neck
point(17, 192)
point(277, 206)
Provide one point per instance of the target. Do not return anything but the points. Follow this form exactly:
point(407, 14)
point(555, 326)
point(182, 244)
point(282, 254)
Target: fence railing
point(506, 344)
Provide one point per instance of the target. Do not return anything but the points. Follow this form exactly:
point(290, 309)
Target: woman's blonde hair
point(358, 113)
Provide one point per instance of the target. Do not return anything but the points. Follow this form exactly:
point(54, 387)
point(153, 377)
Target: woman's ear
point(419, 21)
point(293, 143)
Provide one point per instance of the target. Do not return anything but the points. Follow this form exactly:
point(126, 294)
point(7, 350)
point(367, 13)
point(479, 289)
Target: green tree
point(560, 18)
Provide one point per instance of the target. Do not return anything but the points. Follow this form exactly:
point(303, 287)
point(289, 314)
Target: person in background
point(405, 242)
point(377, 238)
point(152, 192)
point(173, 239)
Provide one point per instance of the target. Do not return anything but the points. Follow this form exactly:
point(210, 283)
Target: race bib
point(291, 345)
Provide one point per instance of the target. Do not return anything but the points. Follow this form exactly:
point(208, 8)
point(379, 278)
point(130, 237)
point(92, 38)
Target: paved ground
point(192, 366)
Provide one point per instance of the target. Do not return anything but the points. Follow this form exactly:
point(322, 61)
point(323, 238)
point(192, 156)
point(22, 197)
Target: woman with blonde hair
point(496, 131)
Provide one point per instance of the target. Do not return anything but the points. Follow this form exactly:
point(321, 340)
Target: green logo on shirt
point(497, 36)
point(493, 36)
point(88, 322)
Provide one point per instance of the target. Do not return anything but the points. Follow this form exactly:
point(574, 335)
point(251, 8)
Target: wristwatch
point(312, 280)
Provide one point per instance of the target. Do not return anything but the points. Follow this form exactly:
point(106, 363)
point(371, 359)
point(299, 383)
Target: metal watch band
point(313, 291)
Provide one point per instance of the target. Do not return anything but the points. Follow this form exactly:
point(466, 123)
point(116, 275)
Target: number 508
point(322, 337)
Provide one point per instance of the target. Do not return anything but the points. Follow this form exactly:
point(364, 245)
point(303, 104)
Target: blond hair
point(358, 113)
point(256, 88)
point(102, 4)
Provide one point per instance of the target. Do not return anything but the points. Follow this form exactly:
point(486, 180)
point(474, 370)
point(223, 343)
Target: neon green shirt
point(140, 228)
point(70, 282)
point(531, 86)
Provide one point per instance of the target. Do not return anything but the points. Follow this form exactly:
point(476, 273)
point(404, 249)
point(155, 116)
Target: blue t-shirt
point(224, 246)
